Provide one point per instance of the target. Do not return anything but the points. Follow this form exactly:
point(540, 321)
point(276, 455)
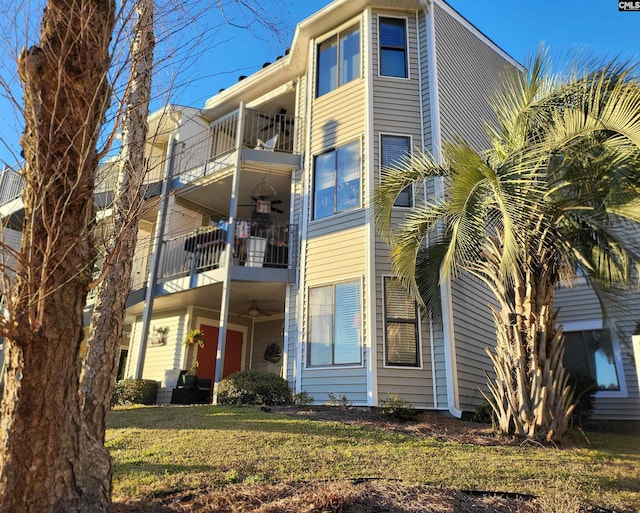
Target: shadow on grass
point(237, 418)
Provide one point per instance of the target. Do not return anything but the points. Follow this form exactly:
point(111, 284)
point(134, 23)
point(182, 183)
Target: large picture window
point(338, 60)
point(591, 354)
point(393, 47)
point(401, 326)
point(337, 181)
point(392, 148)
point(334, 325)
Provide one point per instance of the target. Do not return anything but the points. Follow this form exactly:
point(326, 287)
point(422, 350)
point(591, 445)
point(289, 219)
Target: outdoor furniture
point(191, 390)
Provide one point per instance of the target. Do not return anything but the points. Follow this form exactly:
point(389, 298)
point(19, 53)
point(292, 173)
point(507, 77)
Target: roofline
point(293, 65)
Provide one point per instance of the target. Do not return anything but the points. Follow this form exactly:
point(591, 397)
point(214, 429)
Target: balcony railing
point(11, 185)
point(262, 130)
point(139, 273)
point(255, 245)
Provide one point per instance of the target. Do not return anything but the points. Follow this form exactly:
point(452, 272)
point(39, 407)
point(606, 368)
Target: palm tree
point(549, 199)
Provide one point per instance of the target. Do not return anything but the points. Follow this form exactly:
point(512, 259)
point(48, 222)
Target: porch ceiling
point(268, 296)
point(216, 195)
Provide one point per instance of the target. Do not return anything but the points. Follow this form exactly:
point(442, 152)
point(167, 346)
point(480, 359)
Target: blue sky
point(517, 26)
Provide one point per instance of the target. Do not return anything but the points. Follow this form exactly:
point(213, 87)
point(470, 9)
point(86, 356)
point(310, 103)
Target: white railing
point(255, 244)
point(11, 185)
point(262, 130)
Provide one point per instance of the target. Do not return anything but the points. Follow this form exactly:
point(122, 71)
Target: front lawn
point(166, 452)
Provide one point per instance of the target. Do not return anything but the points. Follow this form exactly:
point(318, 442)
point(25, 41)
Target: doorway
point(207, 354)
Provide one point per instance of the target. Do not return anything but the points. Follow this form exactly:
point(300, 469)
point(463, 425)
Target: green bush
point(134, 391)
point(252, 387)
point(396, 407)
point(302, 399)
point(484, 414)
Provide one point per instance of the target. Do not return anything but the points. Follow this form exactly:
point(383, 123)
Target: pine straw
point(330, 497)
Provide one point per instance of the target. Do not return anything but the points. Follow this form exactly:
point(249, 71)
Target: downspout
point(157, 249)
point(228, 260)
point(451, 367)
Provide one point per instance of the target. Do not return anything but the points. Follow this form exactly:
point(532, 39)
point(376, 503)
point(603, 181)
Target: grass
point(162, 451)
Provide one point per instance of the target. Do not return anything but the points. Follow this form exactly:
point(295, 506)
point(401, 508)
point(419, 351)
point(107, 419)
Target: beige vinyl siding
point(293, 336)
point(579, 304)
point(396, 111)
point(337, 256)
point(469, 72)
point(474, 331)
point(266, 333)
point(335, 245)
point(396, 101)
point(338, 117)
point(162, 358)
point(425, 98)
point(350, 382)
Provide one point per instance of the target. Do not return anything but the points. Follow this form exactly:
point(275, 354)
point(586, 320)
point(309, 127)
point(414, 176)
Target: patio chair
point(268, 145)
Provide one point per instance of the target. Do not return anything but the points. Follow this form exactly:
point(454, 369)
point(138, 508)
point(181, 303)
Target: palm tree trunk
point(530, 393)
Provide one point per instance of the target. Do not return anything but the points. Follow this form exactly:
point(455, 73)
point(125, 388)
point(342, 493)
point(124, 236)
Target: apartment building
point(259, 227)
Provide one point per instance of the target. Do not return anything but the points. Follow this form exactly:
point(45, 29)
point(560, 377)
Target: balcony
point(256, 246)
point(267, 138)
point(11, 185)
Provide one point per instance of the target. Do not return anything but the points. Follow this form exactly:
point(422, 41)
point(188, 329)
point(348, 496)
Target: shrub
point(302, 399)
point(339, 401)
point(396, 407)
point(134, 391)
point(257, 388)
point(484, 414)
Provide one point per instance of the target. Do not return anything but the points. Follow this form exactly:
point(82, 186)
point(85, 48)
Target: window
point(393, 47)
point(591, 354)
point(337, 181)
point(338, 60)
point(401, 325)
point(394, 147)
point(334, 325)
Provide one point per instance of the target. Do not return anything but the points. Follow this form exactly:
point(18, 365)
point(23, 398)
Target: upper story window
point(392, 148)
point(402, 341)
point(337, 181)
point(338, 60)
point(393, 47)
point(334, 325)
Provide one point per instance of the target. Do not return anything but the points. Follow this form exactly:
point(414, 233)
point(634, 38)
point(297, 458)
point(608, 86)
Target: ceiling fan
point(264, 201)
point(254, 310)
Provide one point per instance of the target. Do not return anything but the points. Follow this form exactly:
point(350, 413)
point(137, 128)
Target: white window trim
point(568, 327)
point(312, 197)
point(357, 21)
point(386, 365)
point(305, 335)
point(406, 47)
point(380, 166)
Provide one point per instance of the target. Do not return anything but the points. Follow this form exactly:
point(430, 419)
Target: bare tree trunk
point(105, 330)
point(43, 437)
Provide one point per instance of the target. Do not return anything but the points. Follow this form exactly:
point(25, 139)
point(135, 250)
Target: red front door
point(207, 354)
